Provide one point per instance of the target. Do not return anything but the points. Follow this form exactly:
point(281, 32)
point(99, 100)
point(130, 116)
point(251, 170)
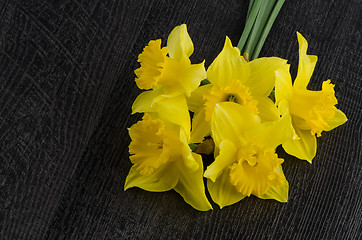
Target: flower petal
point(192, 76)
point(338, 119)
point(222, 191)
point(179, 44)
point(163, 179)
point(228, 66)
point(143, 102)
point(279, 193)
point(226, 158)
point(178, 78)
point(262, 75)
point(200, 127)
point(272, 134)
point(230, 121)
point(196, 100)
point(191, 186)
point(174, 110)
point(306, 64)
point(267, 109)
point(303, 148)
point(283, 84)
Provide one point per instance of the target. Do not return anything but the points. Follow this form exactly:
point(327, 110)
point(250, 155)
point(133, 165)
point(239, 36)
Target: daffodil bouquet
point(241, 111)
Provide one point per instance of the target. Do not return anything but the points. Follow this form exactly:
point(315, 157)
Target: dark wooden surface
point(66, 89)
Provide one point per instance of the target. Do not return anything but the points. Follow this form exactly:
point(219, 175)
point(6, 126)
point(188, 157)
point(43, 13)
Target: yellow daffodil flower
point(246, 163)
point(234, 80)
point(163, 161)
point(312, 111)
point(167, 75)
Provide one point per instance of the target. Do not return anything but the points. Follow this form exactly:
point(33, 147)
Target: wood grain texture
point(67, 85)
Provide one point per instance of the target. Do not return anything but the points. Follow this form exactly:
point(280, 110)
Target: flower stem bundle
point(260, 18)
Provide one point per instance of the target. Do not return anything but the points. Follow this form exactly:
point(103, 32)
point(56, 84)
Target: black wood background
point(66, 89)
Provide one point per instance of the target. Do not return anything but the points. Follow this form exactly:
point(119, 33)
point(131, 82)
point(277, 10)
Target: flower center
point(152, 60)
point(234, 92)
point(311, 109)
point(160, 145)
point(256, 171)
point(147, 148)
point(231, 98)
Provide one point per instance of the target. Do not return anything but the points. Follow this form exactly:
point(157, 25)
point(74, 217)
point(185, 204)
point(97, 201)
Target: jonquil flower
point(234, 80)
point(168, 70)
point(163, 161)
point(246, 163)
point(312, 111)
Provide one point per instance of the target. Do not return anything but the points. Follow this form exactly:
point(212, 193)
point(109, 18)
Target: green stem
point(260, 18)
point(249, 23)
point(251, 3)
point(267, 28)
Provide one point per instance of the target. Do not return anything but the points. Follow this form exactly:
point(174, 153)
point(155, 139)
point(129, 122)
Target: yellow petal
point(338, 119)
point(196, 101)
point(231, 121)
point(225, 159)
point(306, 64)
point(303, 148)
point(200, 128)
point(174, 110)
point(191, 186)
point(228, 66)
point(163, 179)
point(143, 102)
point(262, 75)
point(179, 44)
point(283, 84)
point(178, 78)
point(267, 110)
point(280, 192)
point(222, 192)
point(272, 134)
point(192, 77)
